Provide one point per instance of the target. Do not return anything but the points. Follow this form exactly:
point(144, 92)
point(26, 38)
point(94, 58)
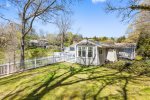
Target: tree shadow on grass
point(124, 88)
point(17, 76)
point(101, 88)
point(52, 78)
point(46, 87)
point(54, 81)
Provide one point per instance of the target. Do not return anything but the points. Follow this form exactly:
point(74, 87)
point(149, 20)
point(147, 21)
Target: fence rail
point(10, 68)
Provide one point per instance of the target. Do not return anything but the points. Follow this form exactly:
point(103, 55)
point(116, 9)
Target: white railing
point(10, 68)
point(67, 57)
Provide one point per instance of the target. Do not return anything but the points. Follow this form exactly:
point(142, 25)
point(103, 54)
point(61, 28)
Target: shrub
point(143, 44)
point(138, 58)
point(141, 68)
point(36, 53)
point(147, 61)
point(117, 65)
point(137, 67)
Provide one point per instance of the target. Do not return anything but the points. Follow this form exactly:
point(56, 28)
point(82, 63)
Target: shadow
point(18, 76)
point(14, 95)
point(124, 89)
point(56, 79)
point(47, 86)
point(101, 88)
point(84, 96)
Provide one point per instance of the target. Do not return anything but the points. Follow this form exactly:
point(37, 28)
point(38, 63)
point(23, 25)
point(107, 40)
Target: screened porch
point(86, 55)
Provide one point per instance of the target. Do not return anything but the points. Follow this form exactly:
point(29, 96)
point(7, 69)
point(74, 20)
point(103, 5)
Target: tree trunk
point(14, 60)
point(22, 57)
point(62, 42)
point(62, 47)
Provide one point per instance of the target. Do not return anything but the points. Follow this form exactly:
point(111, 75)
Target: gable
point(87, 43)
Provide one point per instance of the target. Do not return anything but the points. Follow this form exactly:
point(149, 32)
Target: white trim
point(87, 48)
point(76, 53)
point(96, 55)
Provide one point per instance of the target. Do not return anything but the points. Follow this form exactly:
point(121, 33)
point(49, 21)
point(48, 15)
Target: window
point(90, 51)
point(79, 51)
point(100, 51)
point(83, 51)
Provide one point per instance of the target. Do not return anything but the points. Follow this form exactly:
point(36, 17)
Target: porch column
point(76, 53)
point(86, 57)
point(133, 53)
point(96, 53)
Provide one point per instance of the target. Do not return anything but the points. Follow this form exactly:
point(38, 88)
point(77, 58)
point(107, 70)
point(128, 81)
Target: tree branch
point(140, 7)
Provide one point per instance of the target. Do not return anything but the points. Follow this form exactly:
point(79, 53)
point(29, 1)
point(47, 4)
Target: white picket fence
point(11, 68)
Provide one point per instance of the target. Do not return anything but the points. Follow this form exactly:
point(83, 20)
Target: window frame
point(83, 51)
point(90, 51)
point(100, 51)
point(79, 51)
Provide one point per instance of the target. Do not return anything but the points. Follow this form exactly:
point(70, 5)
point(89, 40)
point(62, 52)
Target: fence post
point(35, 63)
point(53, 59)
point(48, 60)
point(8, 68)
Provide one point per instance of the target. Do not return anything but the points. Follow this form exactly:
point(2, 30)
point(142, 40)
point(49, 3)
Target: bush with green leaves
point(138, 58)
point(141, 68)
point(117, 65)
point(36, 53)
point(136, 67)
point(143, 45)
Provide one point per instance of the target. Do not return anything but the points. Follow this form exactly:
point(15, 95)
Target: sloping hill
point(65, 81)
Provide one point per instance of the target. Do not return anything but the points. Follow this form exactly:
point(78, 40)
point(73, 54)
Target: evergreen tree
point(143, 45)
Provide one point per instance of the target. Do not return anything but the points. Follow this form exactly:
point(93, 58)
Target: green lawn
point(65, 81)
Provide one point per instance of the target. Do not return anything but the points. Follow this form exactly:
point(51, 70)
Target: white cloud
point(8, 4)
point(97, 1)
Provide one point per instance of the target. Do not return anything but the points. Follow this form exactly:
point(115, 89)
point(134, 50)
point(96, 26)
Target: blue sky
point(92, 20)
point(89, 19)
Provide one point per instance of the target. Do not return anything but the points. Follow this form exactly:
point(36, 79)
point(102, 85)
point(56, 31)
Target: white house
point(39, 43)
point(90, 52)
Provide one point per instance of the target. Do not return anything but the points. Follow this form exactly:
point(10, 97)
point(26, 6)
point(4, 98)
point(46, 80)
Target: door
point(101, 55)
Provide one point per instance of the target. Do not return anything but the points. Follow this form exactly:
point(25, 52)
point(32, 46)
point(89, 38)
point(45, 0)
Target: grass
point(64, 81)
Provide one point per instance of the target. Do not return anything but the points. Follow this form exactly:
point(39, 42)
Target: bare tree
point(9, 40)
point(31, 10)
point(3, 40)
point(128, 8)
point(135, 11)
point(142, 23)
point(7, 34)
point(12, 46)
point(63, 23)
